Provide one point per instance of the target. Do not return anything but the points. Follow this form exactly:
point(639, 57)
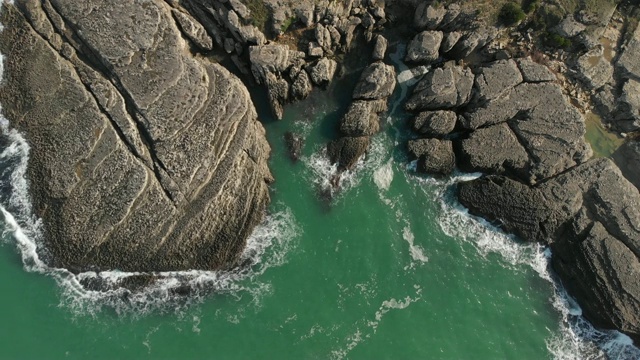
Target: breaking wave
point(267, 247)
point(577, 338)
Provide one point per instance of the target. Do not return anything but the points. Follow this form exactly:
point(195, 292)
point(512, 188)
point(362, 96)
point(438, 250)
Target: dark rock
point(434, 156)
point(627, 157)
point(278, 92)
point(323, 71)
point(602, 274)
point(493, 150)
point(377, 81)
point(472, 41)
point(627, 115)
point(496, 78)
point(301, 87)
point(294, 144)
point(533, 72)
point(443, 88)
point(590, 215)
point(361, 119)
point(424, 47)
point(346, 151)
point(429, 16)
point(435, 123)
point(569, 27)
point(380, 48)
point(628, 63)
point(545, 124)
point(449, 40)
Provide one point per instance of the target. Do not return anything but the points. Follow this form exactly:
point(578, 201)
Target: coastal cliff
point(143, 157)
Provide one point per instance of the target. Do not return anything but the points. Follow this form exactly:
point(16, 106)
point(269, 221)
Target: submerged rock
point(294, 144)
point(143, 156)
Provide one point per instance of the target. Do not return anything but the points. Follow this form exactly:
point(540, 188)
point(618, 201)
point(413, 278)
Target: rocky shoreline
point(147, 155)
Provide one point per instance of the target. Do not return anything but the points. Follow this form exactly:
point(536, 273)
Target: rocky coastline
point(147, 154)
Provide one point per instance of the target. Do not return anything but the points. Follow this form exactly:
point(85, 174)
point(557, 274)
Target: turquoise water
point(389, 268)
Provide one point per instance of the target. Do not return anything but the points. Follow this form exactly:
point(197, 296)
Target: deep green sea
point(390, 268)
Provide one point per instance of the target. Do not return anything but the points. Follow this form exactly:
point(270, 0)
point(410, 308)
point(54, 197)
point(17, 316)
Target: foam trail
point(577, 339)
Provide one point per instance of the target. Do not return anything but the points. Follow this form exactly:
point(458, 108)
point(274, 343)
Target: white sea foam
point(321, 173)
point(417, 253)
point(577, 339)
point(383, 176)
point(267, 247)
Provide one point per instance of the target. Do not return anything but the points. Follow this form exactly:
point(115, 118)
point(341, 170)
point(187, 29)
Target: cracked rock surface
point(143, 156)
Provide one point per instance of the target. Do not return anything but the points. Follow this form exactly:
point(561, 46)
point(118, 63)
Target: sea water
point(389, 266)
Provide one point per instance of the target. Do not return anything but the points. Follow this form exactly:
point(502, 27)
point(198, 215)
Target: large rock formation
point(377, 82)
point(143, 156)
point(591, 216)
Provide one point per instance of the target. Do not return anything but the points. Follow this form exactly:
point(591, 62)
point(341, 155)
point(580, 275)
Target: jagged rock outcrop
point(143, 157)
point(627, 157)
point(425, 47)
point(443, 88)
point(590, 216)
point(434, 123)
point(434, 156)
point(361, 121)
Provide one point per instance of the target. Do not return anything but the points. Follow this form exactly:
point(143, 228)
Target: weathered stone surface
point(493, 150)
point(472, 41)
point(278, 93)
point(294, 144)
point(301, 87)
point(602, 274)
point(590, 215)
point(496, 78)
point(533, 72)
point(627, 157)
point(380, 48)
point(322, 72)
point(569, 27)
point(271, 58)
point(435, 123)
point(428, 16)
point(137, 163)
point(424, 47)
point(628, 62)
point(627, 115)
point(193, 30)
point(361, 119)
point(442, 88)
point(595, 70)
point(346, 151)
point(545, 123)
point(377, 81)
point(434, 156)
point(323, 37)
point(449, 40)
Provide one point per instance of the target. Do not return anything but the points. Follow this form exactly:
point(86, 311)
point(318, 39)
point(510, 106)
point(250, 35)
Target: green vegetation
point(531, 6)
point(260, 13)
point(287, 24)
point(557, 41)
point(511, 13)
